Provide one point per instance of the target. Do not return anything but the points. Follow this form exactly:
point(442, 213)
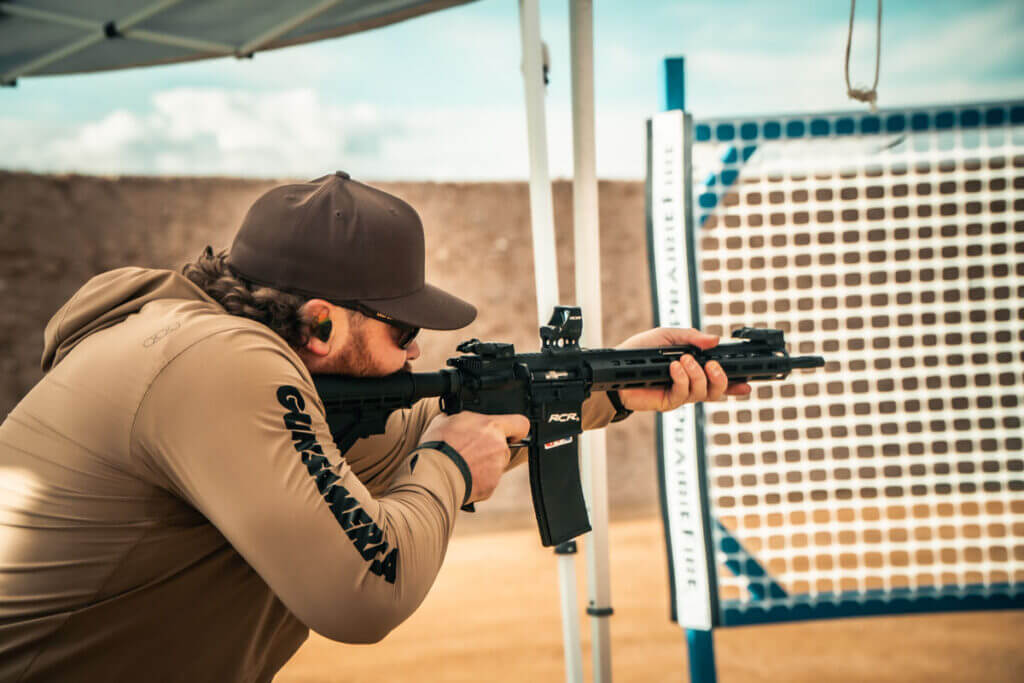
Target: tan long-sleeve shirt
point(172, 505)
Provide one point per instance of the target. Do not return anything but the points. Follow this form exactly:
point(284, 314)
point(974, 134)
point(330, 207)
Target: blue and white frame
point(892, 243)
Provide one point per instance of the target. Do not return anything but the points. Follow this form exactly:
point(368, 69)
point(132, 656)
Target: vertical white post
point(542, 212)
point(571, 645)
point(588, 297)
point(542, 218)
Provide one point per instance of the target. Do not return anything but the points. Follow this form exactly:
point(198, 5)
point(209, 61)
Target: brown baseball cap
point(337, 239)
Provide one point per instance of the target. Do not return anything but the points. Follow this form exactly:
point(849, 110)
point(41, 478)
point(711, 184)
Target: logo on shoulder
point(154, 338)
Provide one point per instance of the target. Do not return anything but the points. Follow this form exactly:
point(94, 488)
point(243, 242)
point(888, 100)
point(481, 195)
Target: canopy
point(69, 36)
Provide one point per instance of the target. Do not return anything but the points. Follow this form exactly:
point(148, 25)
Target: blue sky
point(440, 97)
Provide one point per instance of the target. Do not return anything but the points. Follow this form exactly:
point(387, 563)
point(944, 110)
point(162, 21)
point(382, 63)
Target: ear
point(320, 310)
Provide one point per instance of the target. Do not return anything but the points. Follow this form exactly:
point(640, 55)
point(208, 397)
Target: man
point(173, 505)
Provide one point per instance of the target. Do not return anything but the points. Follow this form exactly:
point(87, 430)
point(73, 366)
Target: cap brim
point(431, 308)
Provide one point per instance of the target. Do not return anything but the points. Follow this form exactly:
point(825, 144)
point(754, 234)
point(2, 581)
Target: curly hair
point(276, 309)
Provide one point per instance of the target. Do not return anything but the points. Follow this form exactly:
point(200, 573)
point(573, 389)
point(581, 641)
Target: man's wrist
point(460, 462)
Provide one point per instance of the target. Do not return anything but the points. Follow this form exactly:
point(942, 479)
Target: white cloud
point(204, 131)
point(119, 129)
point(292, 133)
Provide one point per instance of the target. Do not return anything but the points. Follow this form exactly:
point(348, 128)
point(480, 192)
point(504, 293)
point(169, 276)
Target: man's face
point(371, 350)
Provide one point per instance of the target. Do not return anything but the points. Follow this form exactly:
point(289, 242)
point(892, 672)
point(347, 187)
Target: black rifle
point(549, 388)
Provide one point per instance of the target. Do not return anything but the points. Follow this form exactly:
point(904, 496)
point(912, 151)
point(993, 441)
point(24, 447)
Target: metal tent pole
point(588, 297)
point(546, 276)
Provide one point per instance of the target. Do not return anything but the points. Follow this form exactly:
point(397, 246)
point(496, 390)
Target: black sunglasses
point(406, 333)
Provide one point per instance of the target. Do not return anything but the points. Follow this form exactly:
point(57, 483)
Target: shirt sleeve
point(234, 426)
point(378, 458)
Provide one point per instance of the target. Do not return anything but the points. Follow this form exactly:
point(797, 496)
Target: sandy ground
point(493, 615)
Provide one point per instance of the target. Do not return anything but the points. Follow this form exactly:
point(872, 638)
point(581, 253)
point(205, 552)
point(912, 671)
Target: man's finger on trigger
point(516, 427)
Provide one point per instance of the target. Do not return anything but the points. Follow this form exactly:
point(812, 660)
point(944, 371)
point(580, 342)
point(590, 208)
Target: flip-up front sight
point(773, 338)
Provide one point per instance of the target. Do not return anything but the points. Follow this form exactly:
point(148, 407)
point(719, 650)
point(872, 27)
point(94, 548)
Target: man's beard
point(355, 359)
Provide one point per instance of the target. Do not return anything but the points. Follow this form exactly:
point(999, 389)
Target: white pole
point(588, 297)
point(542, 213)
point(542, 218)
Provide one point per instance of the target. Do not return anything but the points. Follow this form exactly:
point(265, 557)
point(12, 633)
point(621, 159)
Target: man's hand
point(690, 383)
point(482, 441)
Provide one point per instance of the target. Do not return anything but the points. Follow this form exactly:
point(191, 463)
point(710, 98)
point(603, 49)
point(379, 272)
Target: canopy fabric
point(40, 37)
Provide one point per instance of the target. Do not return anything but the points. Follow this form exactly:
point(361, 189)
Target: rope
point(869, 95)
